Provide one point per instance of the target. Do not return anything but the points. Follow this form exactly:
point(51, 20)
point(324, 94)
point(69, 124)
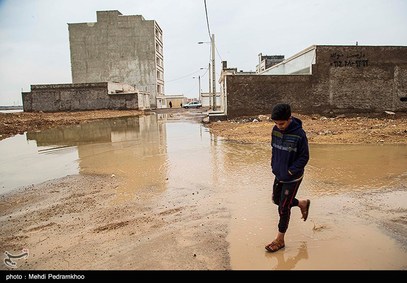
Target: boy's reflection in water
point(290, 262)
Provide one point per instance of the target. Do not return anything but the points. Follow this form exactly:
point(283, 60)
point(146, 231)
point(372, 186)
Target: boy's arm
point(303, 158)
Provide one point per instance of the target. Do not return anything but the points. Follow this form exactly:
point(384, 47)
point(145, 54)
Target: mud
point(80, 223)
point(89, 221)
point(351, 129)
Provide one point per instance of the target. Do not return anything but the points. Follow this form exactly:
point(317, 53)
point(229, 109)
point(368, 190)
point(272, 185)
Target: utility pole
point(199, 85)
point(213, 72)
point(212, 92)
point(199, 82)
point(209, 88)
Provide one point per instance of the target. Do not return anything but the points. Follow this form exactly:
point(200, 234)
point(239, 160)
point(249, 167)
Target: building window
point(158, 48)
point(158, 34)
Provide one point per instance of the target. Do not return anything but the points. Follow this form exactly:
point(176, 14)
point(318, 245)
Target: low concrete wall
point(74, 97)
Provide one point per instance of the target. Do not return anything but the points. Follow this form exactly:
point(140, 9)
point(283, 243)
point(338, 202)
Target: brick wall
point(344, 79)
point(254, 94)
point(361, 78)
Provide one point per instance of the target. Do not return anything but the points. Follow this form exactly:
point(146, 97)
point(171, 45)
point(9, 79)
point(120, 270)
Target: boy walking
point(290, 154)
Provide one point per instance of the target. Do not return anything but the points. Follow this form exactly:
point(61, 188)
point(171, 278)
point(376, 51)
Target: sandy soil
point(383, 128)
point(20, 122)
point(81, 222)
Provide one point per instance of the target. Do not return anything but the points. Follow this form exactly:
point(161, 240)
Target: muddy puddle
point(358, 193)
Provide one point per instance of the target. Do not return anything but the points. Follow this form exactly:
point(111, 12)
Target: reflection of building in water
point(132, 147)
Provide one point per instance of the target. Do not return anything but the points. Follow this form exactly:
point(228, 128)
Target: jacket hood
point(294, 125)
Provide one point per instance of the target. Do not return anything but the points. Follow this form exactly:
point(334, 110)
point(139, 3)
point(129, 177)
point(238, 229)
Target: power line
point(209, 30)
point(204, 74)
point(183, 77)
point(207, 20)
point(218, 53)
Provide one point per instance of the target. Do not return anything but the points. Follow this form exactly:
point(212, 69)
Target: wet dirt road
point(163, 193)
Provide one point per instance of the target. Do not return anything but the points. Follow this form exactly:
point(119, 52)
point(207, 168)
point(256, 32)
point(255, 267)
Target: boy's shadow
point(290, 262)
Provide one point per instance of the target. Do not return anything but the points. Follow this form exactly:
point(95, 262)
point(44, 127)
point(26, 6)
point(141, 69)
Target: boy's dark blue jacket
point(289, 151)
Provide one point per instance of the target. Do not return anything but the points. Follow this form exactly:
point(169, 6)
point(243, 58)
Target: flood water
point(151, 152)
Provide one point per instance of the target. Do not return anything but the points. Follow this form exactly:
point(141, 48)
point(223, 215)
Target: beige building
point(118, 48)
point(177, 101)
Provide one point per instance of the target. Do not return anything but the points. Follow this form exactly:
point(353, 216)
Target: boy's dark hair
point(281, 111)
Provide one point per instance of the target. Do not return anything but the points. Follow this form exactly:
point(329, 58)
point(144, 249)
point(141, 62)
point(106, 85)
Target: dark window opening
point(403, 99)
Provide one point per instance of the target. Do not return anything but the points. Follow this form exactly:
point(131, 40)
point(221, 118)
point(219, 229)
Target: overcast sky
point(34, 39)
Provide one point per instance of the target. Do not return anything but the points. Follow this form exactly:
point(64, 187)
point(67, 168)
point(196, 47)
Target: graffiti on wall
point(357, 60)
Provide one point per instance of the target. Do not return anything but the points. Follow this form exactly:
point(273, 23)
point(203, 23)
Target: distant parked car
point(193, 104)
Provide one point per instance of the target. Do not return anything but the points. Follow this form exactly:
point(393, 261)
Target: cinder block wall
point(344, 79)
point(361, 78)
point(74, 97)
point(253, 94)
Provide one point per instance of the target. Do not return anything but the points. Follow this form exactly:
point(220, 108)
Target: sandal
point(306, 210)
point(275, 246)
